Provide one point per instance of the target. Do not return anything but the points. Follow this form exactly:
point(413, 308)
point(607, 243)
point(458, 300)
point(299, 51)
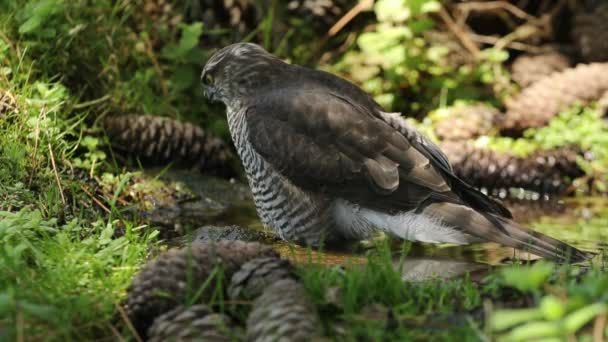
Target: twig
point(521, 32)
point(20, 326)
point(361, 6)
point(36, 141)
point(512, 45)
point(458, 32)
point(157, 68)
point(116, 333)
point(128, 322)
point(91, 102)
point(598, 328)
point(95, 199)
point(63, 201)
point(494, 5)
point(14, 48)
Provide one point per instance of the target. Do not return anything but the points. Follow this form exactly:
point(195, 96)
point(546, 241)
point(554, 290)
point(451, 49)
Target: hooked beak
point(210, 93)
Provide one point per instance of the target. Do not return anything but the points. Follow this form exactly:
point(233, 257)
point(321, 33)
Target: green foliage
point(406, 72)
point(36, 17)
point(57, 279)
point(527, 278)
point(555, 316)
point(114, 58)
point(378, 282)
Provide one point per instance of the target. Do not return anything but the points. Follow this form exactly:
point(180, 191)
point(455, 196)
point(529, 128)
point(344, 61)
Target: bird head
point(236, 72)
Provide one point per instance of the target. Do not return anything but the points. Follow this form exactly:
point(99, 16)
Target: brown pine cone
point(256, 275)
point(547, 172)
point(543, 100)
point(195, 323)
point(590, 31)
point(158, 140)
point(7, 103)
point(467, 122)
point(161, 12)
point(322, 14)
point(529, 68)
point(283, 313)
point(177, 274)
point(159, 19)
point(225, 21)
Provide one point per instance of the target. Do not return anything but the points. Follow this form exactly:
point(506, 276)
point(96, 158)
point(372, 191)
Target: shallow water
point(581, 222)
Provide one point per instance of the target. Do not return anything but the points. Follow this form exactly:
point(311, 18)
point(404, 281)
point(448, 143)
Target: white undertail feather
point(359, 222)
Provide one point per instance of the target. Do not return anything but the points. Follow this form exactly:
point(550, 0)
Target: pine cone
point(158, 18)
point(232, 19)
point(161, 12)
point(159, 140)
point(7, 103)
point(590, 31)
point(322, 14)
point(196, 323)
point(256, 275)
point(529, 68)
point(543, 100)
point(283, 313)
point(467, 122)
point(547, 172)
point(177, 274)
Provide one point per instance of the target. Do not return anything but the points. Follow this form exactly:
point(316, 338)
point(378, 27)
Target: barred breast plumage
point(294, 214)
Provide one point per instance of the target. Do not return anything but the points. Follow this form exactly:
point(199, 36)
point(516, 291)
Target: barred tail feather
point(505, 231)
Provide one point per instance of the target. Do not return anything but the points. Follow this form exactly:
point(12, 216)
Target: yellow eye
point(208, 79)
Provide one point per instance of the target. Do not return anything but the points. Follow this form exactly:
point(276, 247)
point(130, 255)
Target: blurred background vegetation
point(464, 70)
point(516, 92)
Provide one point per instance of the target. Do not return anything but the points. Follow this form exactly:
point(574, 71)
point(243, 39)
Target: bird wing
point(328, 143)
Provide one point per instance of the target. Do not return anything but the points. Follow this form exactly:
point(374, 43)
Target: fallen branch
point(361, 6)
point(63, 201)
point(459, 32)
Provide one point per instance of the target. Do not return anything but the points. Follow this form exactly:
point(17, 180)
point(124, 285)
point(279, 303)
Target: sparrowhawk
point(325, 162)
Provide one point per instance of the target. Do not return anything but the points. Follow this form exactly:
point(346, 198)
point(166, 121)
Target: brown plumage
point(325, 162)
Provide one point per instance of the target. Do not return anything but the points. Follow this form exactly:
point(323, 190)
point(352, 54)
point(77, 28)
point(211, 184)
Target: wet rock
point(234, 232)
point(209, 200)
point(421, 269)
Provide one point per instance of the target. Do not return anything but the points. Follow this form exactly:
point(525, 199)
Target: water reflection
point(420, 269)
point(580, 222)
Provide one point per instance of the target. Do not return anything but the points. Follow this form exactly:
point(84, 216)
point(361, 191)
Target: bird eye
point(208, 80)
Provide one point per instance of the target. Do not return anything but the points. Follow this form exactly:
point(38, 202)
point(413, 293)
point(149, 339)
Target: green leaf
point(37, 14)
point(430, 6)
point(188, 41)
point(30, 25)
point(529, 278)
point(392, 10)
